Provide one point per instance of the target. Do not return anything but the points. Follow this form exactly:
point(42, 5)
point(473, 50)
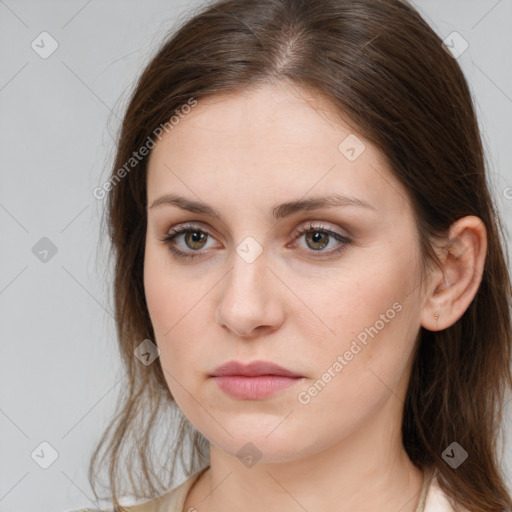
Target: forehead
point(276, 116)
point(268, 141)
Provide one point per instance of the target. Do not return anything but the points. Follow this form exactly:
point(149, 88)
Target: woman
point(309, 270)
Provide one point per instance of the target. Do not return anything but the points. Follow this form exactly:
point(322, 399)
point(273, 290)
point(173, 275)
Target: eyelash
point(175, 232)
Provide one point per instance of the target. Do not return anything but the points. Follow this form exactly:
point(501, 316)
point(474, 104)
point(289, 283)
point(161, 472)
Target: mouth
point(253, 369)
point(255, 381)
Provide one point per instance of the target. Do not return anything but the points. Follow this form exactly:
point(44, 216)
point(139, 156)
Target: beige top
point(432, 498)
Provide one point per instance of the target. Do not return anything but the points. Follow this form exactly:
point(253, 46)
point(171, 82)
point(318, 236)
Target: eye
point(193, 238)
point(187, 241)
point(317, 238)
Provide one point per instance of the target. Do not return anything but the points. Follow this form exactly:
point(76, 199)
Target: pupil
point(319, 238)
point(195, 239)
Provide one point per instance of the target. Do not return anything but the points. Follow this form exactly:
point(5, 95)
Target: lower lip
point(254, 388)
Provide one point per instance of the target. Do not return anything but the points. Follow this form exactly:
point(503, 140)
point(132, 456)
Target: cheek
point(356, 373)
point(176, 332)
point(168, 295)
point(373, 317)
point(176, 312)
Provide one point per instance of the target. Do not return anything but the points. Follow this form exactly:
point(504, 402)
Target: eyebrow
point(279, 211)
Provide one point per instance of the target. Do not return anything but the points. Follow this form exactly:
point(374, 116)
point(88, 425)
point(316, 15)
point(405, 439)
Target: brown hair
point(384, 69)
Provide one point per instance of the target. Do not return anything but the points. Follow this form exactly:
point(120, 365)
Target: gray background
point(59, 373)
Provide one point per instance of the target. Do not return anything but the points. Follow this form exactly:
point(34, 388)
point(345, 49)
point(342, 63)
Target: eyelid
point(310, 223)
point(320, 225)
point(181, 229)
point(299, 230)
point(343, 241)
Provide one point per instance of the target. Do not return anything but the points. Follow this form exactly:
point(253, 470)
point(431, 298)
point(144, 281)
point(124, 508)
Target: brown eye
point(195, 239)
point(188, 241)
point(317, 239)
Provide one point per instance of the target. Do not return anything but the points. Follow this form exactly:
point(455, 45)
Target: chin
point(253, 447)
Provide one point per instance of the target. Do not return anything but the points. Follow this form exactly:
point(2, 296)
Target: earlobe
point(456, 283)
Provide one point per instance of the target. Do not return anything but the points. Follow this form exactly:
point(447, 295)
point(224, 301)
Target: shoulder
point(172, 500)
point(438, 501)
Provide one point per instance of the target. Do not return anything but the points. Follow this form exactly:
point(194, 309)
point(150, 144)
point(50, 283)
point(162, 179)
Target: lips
point(254, 381)
point(253, 369)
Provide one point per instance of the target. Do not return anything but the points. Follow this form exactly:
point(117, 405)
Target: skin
point(243, 154)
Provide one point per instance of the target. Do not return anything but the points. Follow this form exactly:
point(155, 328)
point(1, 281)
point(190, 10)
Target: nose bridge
point(247, 300)
point(248, 267)
point(246, 281)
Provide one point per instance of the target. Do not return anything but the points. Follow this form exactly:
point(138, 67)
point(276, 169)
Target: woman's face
point(328, 290)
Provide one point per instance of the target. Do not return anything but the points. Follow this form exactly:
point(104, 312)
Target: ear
point(453, 286)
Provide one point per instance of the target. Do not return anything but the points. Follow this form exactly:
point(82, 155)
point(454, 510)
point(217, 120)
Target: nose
point(250, 303)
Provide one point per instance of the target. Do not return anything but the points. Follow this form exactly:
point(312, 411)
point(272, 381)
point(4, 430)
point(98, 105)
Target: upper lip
point(252, 369)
